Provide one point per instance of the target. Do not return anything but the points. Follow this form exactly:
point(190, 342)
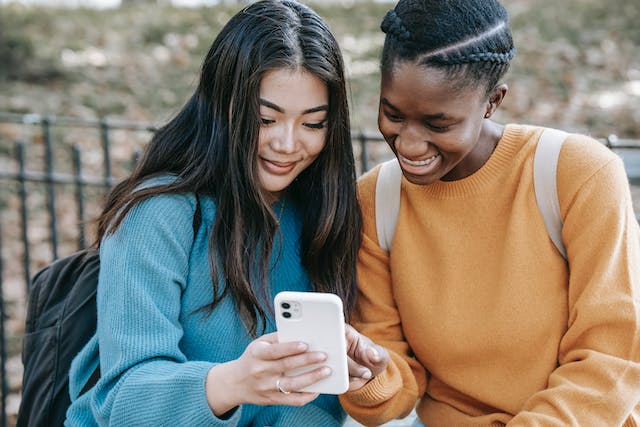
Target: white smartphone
point(316, 319)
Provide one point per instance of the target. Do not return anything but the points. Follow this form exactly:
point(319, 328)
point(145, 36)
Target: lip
point(276, 167)
point(420, 167)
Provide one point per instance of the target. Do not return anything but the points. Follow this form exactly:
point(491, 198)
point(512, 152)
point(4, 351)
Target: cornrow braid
point(470, 39)
point(500, 58)
point(392, 24)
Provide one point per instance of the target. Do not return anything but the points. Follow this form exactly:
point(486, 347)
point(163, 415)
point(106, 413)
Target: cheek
point(316, 144)
point(387, 129)
point(263, 137)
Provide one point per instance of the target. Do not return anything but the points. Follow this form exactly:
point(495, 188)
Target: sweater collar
point(498, 163)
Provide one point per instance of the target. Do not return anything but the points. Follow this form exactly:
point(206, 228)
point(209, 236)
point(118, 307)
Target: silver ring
point(280, 389)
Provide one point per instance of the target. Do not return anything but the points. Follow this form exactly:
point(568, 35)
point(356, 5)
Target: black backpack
point(61, 319)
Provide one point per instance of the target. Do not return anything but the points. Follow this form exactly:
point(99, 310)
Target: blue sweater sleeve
point(146, 379)
point(149, 375)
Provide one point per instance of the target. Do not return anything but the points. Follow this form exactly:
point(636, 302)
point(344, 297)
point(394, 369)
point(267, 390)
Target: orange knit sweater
point(485, 322)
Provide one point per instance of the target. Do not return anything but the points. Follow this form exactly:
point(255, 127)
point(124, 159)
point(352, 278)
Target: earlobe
point(495, 99)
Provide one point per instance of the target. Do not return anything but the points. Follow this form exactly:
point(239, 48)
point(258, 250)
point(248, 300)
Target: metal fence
point(53, 170)
point(45, 158)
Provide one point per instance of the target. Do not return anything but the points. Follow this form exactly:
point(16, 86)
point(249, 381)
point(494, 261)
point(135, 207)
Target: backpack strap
point(387, 202)
point(545, 165)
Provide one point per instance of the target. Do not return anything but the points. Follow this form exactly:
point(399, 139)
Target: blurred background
point(77, 76)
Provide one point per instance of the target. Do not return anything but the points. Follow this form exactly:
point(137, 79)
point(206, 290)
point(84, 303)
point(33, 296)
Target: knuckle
point(289, 363)
point(256, 369)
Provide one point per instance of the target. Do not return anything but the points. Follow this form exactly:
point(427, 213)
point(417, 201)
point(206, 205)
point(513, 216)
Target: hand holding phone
point(318, 320)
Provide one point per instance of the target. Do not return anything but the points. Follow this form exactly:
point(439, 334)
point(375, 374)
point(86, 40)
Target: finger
point(266, 351)
point(359, 347)
point(368, 354)
point(352, 335)
point(356, 383)
point(302, 360)
point(303, 380)
point(271, 338)
point(357, 370)
point(379, 359)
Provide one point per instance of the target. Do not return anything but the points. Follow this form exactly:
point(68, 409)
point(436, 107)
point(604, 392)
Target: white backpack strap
point(545, 165)
point(387, 202)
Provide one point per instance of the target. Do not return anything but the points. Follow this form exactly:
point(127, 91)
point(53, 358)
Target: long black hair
point(471, 39)
point(211, 145)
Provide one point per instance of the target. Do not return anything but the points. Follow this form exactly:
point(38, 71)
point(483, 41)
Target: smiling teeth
point(420, 162)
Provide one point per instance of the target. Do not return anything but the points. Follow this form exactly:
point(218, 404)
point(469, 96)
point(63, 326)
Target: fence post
point(23, 214)
point(79, 183)
point(3, 340)
point(106, 149)
point(51, 191)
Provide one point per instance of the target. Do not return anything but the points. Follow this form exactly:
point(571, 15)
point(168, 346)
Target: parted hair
point(211, 146)
point(471, 39)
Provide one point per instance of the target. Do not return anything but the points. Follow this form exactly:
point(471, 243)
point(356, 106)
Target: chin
point(419, 179)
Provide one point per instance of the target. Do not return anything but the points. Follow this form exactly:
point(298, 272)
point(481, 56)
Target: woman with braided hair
point(476, 316)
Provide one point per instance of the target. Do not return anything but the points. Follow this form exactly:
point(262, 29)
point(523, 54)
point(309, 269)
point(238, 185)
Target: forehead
point(293, 89)
point(417, 86)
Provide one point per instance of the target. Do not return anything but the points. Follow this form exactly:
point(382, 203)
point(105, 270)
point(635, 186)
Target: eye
point(437, 128)
point(393, 117)
point(266, 122)
point(320, 125)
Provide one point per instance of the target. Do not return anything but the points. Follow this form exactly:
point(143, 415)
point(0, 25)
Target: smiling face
point(436, 129)
point(294, 106)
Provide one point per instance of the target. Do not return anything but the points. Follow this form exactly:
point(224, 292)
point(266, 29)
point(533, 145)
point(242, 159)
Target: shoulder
point(580, 156)
point(586, 154)
point(165, 214)
point(587, 167)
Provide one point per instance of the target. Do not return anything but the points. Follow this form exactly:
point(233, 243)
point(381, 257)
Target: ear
point(496, 96)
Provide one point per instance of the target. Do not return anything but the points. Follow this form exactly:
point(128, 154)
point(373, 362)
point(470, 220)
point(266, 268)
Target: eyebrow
point(437, 116)
point(280, 110)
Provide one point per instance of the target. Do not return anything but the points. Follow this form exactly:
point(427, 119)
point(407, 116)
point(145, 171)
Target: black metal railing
point(44, 158)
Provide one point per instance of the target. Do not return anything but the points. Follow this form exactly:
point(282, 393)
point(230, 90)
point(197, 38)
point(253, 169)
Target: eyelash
point(392, 117)
point(316, 126)
point(397, 119)
point(438, 128)
point(313, 126)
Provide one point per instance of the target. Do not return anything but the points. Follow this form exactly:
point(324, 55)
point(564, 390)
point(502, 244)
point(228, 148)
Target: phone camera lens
point(285, 305)
point(286, 314)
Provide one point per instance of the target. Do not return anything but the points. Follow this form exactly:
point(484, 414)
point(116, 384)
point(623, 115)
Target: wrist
point(220, 390)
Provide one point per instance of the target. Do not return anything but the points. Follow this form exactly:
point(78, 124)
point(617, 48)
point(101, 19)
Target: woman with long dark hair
point(248, 191)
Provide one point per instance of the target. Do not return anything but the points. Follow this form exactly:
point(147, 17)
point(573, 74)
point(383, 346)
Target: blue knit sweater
point(155, 348)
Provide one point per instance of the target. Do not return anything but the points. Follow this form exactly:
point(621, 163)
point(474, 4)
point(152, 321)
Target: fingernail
point(366, 374)
point(301, 346)
point(325, 372)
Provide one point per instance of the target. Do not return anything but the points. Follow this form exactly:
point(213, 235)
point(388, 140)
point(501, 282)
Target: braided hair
point(469, 39)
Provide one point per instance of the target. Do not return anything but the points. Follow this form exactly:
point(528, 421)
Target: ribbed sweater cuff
point(381, 388)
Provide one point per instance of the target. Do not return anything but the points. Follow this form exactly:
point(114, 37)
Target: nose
point(411, 137)
point(284, 140)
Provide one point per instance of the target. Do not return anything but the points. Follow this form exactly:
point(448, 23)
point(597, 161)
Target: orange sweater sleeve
point(596, 382)
point(392, 394)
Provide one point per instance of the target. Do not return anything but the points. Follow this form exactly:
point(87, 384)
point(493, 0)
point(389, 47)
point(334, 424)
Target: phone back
point(318, 320)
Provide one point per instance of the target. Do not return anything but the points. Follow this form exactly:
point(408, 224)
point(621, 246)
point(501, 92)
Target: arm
point(146, 378)
point(598, 375)
point(394, 392)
